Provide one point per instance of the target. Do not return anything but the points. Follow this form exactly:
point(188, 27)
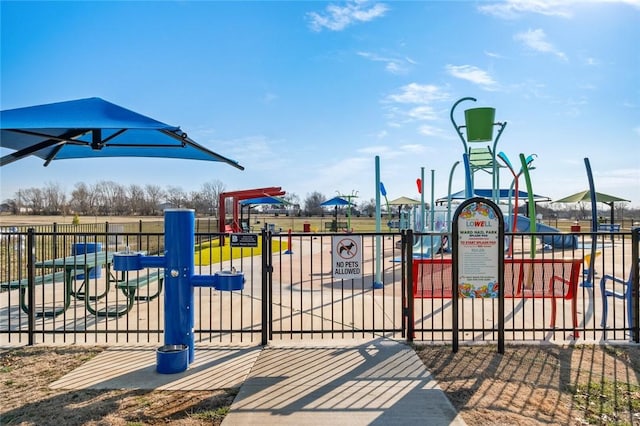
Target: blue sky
point(305, 94)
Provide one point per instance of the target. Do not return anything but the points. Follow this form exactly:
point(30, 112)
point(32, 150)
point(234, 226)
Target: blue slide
point(555, 241)
point(428, 245)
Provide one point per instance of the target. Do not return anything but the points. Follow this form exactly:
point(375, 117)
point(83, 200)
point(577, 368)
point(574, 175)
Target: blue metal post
point(178, 294)
point(178, 263)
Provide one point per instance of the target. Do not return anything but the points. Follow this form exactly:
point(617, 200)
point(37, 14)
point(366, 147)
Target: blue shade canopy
point(263, 200)
point(335, 201)
point(94, 128)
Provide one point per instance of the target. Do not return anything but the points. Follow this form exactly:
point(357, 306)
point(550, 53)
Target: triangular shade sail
point(335, 201)
point(93, 128)
point(503, 194)
point(586, 197)
point(404, 201)
point(264, 200)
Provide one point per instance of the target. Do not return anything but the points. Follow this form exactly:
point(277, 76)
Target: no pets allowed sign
point(347, 257)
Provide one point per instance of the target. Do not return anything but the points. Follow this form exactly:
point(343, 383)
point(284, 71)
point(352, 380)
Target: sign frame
point(478, 258)
point(243, 240)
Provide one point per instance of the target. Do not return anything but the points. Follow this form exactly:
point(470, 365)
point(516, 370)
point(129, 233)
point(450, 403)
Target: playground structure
point(237, 196)
point(481, 155)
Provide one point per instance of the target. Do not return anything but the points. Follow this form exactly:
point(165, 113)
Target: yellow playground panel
point(211, 252)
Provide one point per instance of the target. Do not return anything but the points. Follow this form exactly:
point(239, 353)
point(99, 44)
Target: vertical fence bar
point(31, 273)
point(267, 314)
point(635, 283)
point(407, 256)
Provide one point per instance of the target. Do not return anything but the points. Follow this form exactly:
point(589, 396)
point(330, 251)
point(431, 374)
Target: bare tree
point(176, 196)
point(33, 200)
point(195, 201)
point(210, 193)
point(312, 203)
point(136, 198)
point(154, 194)
point(368, 207)
point(294, 203)
point(112, 198)
point(619, 209)
point(54, 199)
point(83, 200)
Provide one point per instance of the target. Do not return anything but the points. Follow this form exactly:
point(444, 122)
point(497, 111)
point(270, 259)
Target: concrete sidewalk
point(379, 382)
point(315, 382)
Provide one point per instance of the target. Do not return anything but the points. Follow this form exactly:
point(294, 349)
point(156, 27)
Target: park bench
point(335, 226)
point(393, 224)
point(37, 280)
point(130, 285)
point(22, 284)
point(609, 227)
point(552, 278)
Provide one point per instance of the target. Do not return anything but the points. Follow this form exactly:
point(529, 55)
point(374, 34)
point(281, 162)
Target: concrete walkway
point(333, 382)
point(380, 382)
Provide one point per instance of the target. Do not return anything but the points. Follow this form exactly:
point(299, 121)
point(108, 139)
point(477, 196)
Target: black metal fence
point(292, 290)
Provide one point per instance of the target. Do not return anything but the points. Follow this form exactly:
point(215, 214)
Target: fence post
point(407, 247)
point(55, 240)
point(635, 284)
point(31, 275)
point(266, 295)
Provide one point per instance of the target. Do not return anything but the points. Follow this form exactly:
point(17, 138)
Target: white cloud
point(337, 18)
point(413, 148)
point(427, 130)
point(422, 113)
point(253, 150)
point(382, 134)
point(511, 9)
point(473, 74)
point(636, 130)
point(415, 103)
point(537, 40)
point(414, 93)
point(493, 55)
point(393, 65)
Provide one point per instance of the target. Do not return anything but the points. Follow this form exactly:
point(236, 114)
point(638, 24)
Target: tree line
point(109, 198)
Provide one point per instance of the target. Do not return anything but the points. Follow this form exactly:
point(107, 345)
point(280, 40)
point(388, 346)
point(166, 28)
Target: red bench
point(553, 278)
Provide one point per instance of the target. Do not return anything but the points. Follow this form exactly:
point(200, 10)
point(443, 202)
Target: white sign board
point(346, 256)
point(478, 257)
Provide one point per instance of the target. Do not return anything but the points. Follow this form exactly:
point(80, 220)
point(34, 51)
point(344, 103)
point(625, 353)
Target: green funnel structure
point(479, 145)
point(479, 123)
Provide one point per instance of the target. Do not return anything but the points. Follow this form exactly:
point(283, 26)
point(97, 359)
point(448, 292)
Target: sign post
point(478, 258)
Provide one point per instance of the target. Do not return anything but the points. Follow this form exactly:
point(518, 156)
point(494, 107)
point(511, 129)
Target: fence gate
point(309, 298)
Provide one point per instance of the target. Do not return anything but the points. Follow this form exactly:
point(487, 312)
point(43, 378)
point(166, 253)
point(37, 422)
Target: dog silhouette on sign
point(346, 248)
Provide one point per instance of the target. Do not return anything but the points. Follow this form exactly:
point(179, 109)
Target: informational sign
point(478, 250)
point(244, 240)
point(346, 255)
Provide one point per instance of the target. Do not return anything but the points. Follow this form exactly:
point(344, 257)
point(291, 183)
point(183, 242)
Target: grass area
point(316, 223)
point(604, 400)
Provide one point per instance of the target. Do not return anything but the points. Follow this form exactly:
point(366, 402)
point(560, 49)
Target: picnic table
point(71, 266)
